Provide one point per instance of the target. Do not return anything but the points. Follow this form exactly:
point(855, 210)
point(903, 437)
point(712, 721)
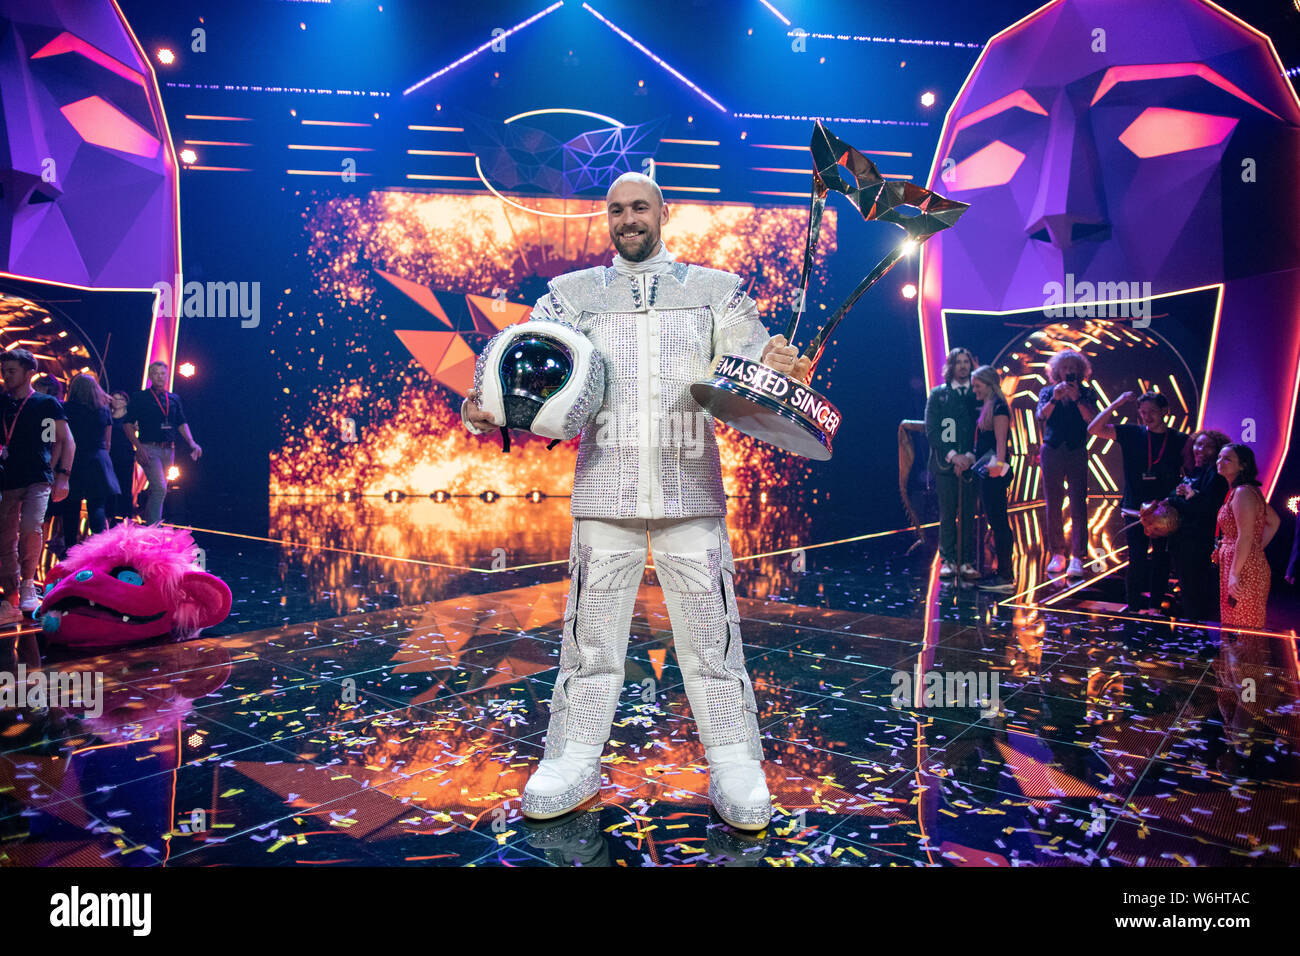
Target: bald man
point(648, 479)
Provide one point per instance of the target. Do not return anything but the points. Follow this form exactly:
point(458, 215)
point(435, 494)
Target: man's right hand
point(1061, 391)
point(474, 413)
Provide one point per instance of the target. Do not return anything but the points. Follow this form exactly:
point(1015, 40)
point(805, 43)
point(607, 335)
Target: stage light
point(173, 473)
point(194, 739)
point(166, 56)
point(636, 43)
point(909, 246)
point(188, 156)
point(909, 291)
point(345, 496)
point(927, 98)
point(1293, 503)
point(535, 496)
point(440, 496)
point(489, 496)
point(394, 495)
point(186, 369)
point(479, 49)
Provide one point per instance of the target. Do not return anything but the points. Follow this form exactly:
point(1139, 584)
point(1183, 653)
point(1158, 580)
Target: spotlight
point(909, 291)
point(534, 496)
point(1293, 503)
point(186, 369)
point(394, 495)
point(489, 496)
point(440, 496)
point(166, 57)
point(194, 740)
point(909, 247)
point(173, 473)
point(927, 98)
point(188, 156)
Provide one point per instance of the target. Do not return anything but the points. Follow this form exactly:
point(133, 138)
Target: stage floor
point(365, 708)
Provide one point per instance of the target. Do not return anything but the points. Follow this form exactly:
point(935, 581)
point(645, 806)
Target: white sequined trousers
point(692, 558)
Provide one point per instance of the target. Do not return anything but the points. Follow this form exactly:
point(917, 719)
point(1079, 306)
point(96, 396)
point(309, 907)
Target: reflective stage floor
point(364, 708)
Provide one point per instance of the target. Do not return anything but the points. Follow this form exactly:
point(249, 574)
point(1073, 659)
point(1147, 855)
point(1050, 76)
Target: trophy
point(784, 411)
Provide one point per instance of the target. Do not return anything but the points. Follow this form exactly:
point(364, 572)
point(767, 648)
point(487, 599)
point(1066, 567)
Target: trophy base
point(767, 405)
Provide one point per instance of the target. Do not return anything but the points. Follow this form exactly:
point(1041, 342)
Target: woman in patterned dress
point(1246, 525)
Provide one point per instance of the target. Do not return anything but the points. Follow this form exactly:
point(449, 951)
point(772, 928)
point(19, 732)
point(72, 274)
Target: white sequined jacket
point(650, 452)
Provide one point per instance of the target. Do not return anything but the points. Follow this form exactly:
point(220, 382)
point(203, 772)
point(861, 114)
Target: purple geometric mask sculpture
point(1150, 141)
point(86, 165)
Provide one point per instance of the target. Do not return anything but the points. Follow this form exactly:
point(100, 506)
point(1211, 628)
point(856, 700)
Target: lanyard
point(1151, 464)
point(9, 429)
point(166, 408)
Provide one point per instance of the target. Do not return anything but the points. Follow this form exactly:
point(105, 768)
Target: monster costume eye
point(128, 575)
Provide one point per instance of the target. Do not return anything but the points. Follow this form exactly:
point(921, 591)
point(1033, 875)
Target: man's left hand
point(785, 358)
point(60, 489)
point(196, 452)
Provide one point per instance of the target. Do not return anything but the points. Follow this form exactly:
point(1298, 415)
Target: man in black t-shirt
point(1153, 457)
point(153, 420)
point(36, 454)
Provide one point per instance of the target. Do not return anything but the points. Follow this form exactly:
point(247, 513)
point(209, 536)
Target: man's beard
point(637, 250)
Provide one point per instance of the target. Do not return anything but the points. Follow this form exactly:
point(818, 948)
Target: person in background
point(1246, 525)
point(1197, 499)
point(993, 434)
point(33, 423)
point(950, 428)
point(1065, 406)
point(122, 454)
point(154, 418)
point(49, 385)
point(1153, 455)
point(92, 478)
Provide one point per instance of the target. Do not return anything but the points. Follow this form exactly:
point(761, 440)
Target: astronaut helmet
point(541, 377)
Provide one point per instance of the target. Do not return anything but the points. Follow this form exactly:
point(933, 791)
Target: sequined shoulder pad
point(581, 290)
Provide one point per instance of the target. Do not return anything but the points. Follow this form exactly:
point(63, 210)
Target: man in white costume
point(648, 468)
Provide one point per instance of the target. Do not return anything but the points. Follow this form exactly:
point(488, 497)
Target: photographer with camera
point(1065, 407)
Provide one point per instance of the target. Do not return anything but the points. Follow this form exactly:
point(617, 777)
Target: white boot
point(738, 787)
point(561, 783)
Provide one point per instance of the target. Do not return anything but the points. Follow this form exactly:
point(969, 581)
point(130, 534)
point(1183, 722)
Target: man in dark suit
point(950, 415)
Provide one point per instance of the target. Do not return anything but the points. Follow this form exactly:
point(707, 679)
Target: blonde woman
point(1066, 406)
point(993, 435)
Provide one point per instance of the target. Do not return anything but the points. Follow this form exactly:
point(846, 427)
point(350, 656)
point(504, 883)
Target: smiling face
point(1202, 450)
point(980, 389)
point(635, 217)
point(1150, 415)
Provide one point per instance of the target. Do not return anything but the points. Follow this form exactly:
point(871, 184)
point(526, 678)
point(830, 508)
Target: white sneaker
point(1075, 569)
point(968, 572)
point(738, 787)
point(8, 613)
point(28, 599)
point(559, 784)
point(947, 569)
point(1057, 564)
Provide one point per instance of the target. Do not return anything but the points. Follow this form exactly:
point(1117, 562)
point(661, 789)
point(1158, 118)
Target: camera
point(1072, 378)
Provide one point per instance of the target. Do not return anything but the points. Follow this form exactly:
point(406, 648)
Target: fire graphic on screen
point(360, 414)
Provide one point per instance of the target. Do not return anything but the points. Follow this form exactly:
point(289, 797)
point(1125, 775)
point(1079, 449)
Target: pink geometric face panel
point(1144, 141)
point(89, 180)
